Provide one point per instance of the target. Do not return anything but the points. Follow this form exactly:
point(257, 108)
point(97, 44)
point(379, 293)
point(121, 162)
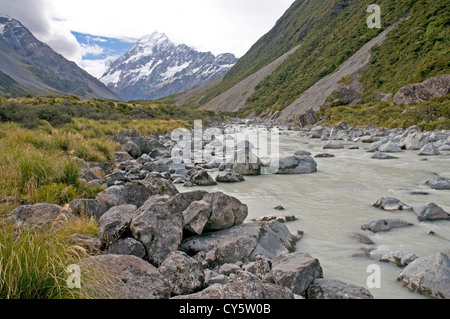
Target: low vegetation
point(431, 115)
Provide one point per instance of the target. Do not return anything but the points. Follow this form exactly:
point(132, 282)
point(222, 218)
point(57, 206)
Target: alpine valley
point(156, 67)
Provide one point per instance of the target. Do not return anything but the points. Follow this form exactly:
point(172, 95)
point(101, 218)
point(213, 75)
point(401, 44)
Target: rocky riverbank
point(161, 243)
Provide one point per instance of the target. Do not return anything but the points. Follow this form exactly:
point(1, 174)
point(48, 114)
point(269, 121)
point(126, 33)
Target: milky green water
point(332, 204)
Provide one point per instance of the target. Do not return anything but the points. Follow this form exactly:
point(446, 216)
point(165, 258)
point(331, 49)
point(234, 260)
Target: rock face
point(384, 225)
point(335, 289)
point(244, 286)
point(184, 274)
point(429, 276)
point(431, 212)
point(127, 277)
point(391, 204)
point(425, 91)
point(242, 243)
point(296, 271)
point(303, 164)
point(159, 227)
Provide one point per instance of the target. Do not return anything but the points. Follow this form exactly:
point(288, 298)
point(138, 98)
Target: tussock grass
point(34, 264)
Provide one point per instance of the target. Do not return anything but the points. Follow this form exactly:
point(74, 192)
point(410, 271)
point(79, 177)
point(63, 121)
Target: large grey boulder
point(226, 211)
point(130, 194)
point(230, 177)
point(431, 212)
point(415, 141)
point(335, 289)
point(391, 204)
point(438, 182)
point(122, 277)
point(242, 243)
point(334, 145)
point(115, 223)
point(86, 207)
point(158, 225)
point(44, 216)
point(296, 271)
point(390, 147)
point(245, 286)
point(420, 92)
point(429, 276)
point(303, 164)
point(429, 150)
point(247, 164)
point(196, 216)
point(384, 225)
point(127, 246)
point(199, 178)
point(159, 185)
point(184, 274)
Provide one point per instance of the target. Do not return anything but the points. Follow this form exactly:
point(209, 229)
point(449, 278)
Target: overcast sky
point(218, 26)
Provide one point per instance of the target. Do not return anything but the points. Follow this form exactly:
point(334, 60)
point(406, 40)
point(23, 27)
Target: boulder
point(247, 164)
point(334, 145)
point(184, 274)
point(158, 225)
point(200, 178)
point(127, 246)
point(279, 218)
point(134, 193)
point(92, 245)
point(44, 216)
point(196, 216)
point(428, 275)
point(158, 184)
point(115, 223)
point(300, 153)
point(429, 150)
point(86, 207)
point(335, 289)
point(384, 225)
point(123, 277)
point(303, 164)
point(122, 157)
point(399, 258)
point(261, 267)
point(226, 211)
point(391, 204)
point(382, 156)
point(325, 155)
point(296, 271)
point(438, 182)
point(420, 92)
point(415, 141)
point(431, 212)
point(390, 147)
point(363, 239)
point(242, 243)
point(230, 177)
point(245, 286)
point(160, 166)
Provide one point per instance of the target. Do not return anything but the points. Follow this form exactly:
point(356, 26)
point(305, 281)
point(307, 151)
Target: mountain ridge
point(155, 67)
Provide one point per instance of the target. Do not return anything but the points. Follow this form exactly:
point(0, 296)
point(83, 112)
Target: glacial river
point(332, 204)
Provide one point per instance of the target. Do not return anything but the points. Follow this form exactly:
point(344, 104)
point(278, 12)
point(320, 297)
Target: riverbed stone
point(127, 246)
point(42, 215)
point(390, 147)
point(334, 145)
point(303, 164)
point(123, 277)
point(431, 212)
point(296, 271)
point(391, 204)
point(382, 156)
point(336, 289)
point(438, 182)
point(86, 207)
point(429, 150)
point(428, 275)
point(384, 225)
point(226, 211)
point(115, 223)
point(230, 177)
point(184, 274)
point(399, 258)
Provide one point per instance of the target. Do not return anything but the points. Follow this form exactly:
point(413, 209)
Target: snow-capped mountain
point(29, 66)
point(155, 67)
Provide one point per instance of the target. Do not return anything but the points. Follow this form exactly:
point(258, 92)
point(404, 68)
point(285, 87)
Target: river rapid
point(332, 204)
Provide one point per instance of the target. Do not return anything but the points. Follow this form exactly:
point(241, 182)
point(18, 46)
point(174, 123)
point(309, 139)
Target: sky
point(92, 32)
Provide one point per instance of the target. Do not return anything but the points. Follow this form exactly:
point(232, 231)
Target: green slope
point(330, 31)
point(9, 87)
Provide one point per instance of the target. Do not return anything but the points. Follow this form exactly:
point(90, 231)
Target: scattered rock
point(420, 92)
point(363, 239)
point(296, 271)
point(438, 182)
point(230, 177)
point(304, 164)
point(92, 245)
point(382, 156)
point(391, 204)
point(124, 277)
point(429, 150)
point(44, 216)
point(279, 218)
point(184, 274)
point(86, 207)
point(399, 258)
point(429, 276)
point(325, 155)
point(115, 223)
point(335, 289)
point(390, 147)
point(127, 246)
point(384, 225)
point(334, 145)
point(200, 178)
point(431, 212)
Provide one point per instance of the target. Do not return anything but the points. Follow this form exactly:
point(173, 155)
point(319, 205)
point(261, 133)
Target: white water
point(332, 204)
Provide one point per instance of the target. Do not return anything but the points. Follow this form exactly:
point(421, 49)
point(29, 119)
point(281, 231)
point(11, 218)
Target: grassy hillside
point(330, 31)
point(10, 87)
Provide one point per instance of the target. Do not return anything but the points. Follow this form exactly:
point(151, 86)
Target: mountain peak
point(152, 39)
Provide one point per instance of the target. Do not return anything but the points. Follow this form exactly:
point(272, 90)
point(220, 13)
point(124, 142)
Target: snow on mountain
point(155, 67)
